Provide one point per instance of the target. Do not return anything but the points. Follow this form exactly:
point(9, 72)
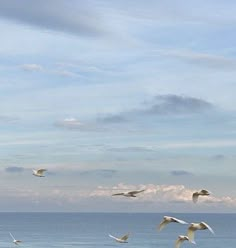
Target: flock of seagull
point(166, 219)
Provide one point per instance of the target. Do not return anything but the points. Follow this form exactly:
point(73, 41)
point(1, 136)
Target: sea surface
point(45, 230)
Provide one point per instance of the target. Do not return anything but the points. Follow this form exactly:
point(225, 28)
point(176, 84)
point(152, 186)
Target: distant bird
point(202, 192)
point(130, 193)
point(15, 241)
point(122, 239)
point(39, 172)
point(169, 219)
point(181, 239)
point(197, 226)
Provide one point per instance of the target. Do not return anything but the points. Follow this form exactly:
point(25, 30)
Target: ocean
point(45, 230)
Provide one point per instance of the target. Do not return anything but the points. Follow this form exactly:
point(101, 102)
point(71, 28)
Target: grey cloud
point(14, 169)
point(58, 15)
point(218, 157)
point(112, 119)
point(180, 173)
point(177, 104)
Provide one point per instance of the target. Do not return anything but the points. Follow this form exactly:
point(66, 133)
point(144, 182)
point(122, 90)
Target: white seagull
point(15, 241)
point(181, 239)
point(130, 193)
point(169, 219)
point(39, 172)
point(197, 226)
point(120, 240)
point(202, 192)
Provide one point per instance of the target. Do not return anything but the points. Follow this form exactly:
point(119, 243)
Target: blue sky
point(117, 95)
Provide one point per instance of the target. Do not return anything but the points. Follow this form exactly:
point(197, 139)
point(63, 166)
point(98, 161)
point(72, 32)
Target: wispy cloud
point(180, 173)
point(31, 67)
point(14, 169)
point(105, 173)
point(74, 17)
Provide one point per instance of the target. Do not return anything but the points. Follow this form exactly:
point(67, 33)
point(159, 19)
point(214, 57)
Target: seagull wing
point(204, 191)
point(136, 191)
point(118, 194)
point(208, 227)
point(113, 237)
point(195, 197)
point(125, 237)
point(179, 221)
point(163, 224)
point(190, 234)
point(178, 242)
point(41, 171)
point(12, 236)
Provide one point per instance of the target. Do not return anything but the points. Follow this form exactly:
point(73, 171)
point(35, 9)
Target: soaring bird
point(169, 219)
point(122, 239)
point(202, 192)
point(130, 193)
point(181, 239)
point(39, 172)
point(197, 226)
point(15, 241)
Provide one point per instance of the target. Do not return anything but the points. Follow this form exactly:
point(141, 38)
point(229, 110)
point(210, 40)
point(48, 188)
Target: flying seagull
point(169, 219)
point(39, 172)
point(122, 239)
point(130, 193)
point(197, 226)
point(202, 192)
point(15, 241)
point(181, 239)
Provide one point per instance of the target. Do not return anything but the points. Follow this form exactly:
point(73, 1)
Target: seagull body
point(130, 193)
point(181, 239)
point(120, 240)
point(39, 172)
point(169, 219)
point(197, 226)
point(15, 241)
point(202, 192)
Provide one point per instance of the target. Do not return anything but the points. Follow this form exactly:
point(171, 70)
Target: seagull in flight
point(181, 239)
point(197, 226)
point(120, 240)
point(169, 219)
point(202, 192)
point(15, 241)
point(130, 193)
point(39, 172)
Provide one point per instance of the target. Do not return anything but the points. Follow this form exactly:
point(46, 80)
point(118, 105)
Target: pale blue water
point(44, 230)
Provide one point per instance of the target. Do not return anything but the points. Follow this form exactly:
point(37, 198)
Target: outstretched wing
point(41, 171)
point(178, 220)
point(208, 227)
point(125, 237)
point(113, 237)
point(136, 191)
point(163, 224)
point(190, 234)
point(118, 194)
point(178, 242)
point(204, 191)
point(195, 197)
point(12, 236)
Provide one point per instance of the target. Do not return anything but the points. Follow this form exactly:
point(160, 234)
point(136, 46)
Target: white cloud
point(31, 67)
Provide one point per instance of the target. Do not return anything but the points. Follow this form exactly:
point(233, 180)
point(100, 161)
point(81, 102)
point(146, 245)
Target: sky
point(112, 96)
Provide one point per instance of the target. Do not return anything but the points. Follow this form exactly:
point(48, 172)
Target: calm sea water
point(44, 230)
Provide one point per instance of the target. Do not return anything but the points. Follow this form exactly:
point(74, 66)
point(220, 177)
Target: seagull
point(181, 239)
point(202, 192)
point(15, 241)
point(169, 219)
point(39, 172)
point(130, 193)
point(197, 226)
point(122, 239)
